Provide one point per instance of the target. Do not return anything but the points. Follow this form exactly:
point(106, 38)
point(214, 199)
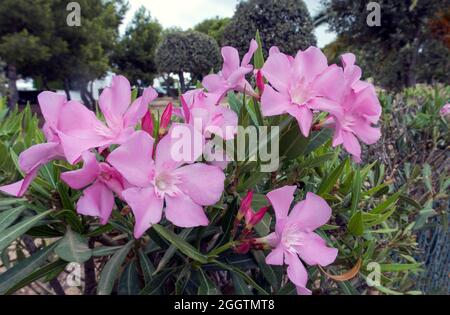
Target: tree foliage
point(190, 51)
point(134, 56)
point(283, 23)
point(214, 27)
point(400, 51)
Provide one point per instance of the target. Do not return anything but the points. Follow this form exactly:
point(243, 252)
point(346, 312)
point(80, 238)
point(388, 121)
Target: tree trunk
point(182, 84)
point(85, 97)
point(67, 88)
point(12, 86)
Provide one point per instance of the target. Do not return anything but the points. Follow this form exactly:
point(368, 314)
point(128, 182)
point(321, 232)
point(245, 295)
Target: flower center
point(299, 94)
point(292, 238)
point(166, 183)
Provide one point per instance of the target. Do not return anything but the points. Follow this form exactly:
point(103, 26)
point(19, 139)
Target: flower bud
point(147, 123)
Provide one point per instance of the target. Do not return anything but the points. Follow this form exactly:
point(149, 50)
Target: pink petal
point(329, 84)
point(97, 201)
point(314, 251)
point(82, 177)
point(115, 100)
point(51, 104)
point(274, 103)
point(215, 84)
point(296, 271)
point(303, 290)
point(74, 146)
point(182, 144)
point(184, 212)
point(274, 50)
point(281, 200)
point(133, 159)
point(304, 118)
point(38, 155)
point(276, 256)
point(309, 64)
point(248, 56)
point(352, 145)
point(365, 132)
point(326, 105)
point(19, 188)
point(278, 72)
point(230, 61)
point(311, 213)
point(193, 183)
point(139, 107)
point(146, 206)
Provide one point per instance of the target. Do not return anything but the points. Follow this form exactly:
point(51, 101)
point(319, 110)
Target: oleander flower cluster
point(128, 153)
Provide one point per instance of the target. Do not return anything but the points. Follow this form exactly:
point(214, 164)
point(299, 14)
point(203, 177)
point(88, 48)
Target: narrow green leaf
point(73, 247)
point(172, 250)
point(38, 274)
point(23, 268)
point(266, 269)
point(110, 271)
point(181, 244)
point(13, 232)
point(328, 183)
point(146, 266)
point(8, 217)
point(356, 224)
point(240, 287)
point(206, 287)
point(154, 287)
point(129, 280)
point(258, 57)
point(105, 250)
point(356, 190)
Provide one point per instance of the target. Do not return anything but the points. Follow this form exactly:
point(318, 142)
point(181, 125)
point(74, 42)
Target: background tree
point(400, 52)
point(25, 28)
point(54, 54)
point(190, 51)
point(134, 56)
point(284, 23)
point(214, 27)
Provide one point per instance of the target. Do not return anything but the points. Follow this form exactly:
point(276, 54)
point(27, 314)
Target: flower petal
point(51, 104)
point(146, 206)
point(281, 200)
point(309, 64)
point(84, 176)
point(351, 145)
point(38, 155)
point(314, 251)
point(278, 72)
point(184, 212)
point(311, 213)
point(304, 118)
point(276, 256)
point(115, 100)
point(19, 188)
point(139, 107)
point(274, 103)
point(193, 183)
point(296, 271)
point(133, 159)
point(97, 201)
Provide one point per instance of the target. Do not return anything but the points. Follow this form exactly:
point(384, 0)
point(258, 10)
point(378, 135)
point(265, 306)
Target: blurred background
point(402, 46)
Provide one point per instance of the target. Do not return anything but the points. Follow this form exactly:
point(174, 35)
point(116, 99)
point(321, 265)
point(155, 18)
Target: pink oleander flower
point(294, 236)
point(360, 110)
point(445, 110)
point(32, 159)
point(166, 117)
point(203, 111)
point(80, 130)
point(232, 75)
point(182, 187)
point(297, 86)
point(102, 181)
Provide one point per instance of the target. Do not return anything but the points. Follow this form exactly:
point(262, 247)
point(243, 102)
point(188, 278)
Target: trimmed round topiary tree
point(283, 23)
point(189, 51)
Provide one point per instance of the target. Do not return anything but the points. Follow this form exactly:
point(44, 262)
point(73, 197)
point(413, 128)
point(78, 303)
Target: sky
point(188, 13)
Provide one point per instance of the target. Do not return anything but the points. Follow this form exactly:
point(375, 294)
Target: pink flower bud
point(147, 123)
point(186, 111)
point(251, 218)
point(243, 248)
point(246, 203)
point(260, 81)
point(166, 116)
